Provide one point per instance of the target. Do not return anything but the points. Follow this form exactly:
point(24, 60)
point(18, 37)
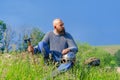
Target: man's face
point(60, 27)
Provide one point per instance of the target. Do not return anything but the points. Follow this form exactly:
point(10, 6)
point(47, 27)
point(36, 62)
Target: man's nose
point(62, 26)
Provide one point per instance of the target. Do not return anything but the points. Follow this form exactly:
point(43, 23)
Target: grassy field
point(23, 66)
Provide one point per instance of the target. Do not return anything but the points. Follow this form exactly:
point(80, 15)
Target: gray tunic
point(59, 42)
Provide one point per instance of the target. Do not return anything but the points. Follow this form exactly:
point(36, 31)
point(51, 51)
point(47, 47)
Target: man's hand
point(65, 51)
point(30, 49)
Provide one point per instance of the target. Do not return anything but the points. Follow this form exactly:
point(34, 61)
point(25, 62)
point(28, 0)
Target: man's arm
point(71, 44)
point(46, 38)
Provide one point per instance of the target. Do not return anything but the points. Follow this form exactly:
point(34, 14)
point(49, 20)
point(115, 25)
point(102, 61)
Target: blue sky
point(96, 22)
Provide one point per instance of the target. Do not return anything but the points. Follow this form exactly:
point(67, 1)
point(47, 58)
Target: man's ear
point(54, 27)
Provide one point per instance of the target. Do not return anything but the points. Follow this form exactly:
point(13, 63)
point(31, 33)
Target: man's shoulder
point(49, 33)
point(67, 34)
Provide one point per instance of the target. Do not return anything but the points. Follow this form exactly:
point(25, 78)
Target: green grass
point(23, 66)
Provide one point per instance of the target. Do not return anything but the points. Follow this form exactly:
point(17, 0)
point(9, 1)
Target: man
point(57, 43)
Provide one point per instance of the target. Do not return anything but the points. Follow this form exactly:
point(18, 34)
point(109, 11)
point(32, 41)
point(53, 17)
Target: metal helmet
point(68, 57)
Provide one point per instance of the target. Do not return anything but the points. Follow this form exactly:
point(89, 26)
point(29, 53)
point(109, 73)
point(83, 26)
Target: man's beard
point(62, 31)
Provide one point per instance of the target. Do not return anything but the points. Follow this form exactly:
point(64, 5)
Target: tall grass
point(23, 66)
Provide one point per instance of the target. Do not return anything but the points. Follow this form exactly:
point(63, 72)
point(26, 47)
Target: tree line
point(10, 40)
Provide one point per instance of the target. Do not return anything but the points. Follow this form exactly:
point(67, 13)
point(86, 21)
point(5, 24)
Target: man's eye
point(61, 24)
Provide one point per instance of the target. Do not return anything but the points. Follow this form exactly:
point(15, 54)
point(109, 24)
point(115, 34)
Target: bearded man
point(57, 43)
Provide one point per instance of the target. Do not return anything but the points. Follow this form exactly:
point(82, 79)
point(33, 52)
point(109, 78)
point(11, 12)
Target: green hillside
point(110, 48)
point(23, 66)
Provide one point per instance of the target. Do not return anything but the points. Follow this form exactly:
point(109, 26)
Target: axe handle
point(29, 43)
point(30, 47)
